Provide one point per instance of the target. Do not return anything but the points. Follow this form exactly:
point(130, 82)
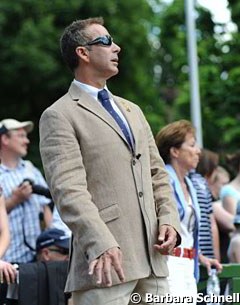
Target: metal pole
point(193, 72)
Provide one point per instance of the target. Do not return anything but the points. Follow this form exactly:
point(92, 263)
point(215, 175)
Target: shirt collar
point(93, 91)
point(6, 169)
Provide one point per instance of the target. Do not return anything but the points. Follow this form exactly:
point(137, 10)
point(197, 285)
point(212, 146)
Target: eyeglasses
point(62, 251)
point(106, 40)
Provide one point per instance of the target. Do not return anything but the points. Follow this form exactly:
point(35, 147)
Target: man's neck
point(92, 81)
point(9, 161)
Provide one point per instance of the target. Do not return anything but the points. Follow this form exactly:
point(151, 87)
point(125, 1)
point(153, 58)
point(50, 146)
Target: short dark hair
point(208, 162)
point(233, 160)
point(73, 36)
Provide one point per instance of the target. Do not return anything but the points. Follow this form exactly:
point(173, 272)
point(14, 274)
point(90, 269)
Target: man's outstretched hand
point(102, 266)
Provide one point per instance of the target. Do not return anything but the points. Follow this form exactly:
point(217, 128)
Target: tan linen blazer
point(107, 195)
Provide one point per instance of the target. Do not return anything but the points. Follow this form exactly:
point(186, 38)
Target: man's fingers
point(95, 268)
point(99, 270)
point(162, 234)
point(107, 276)
point(104, 280)
point(117, 265)
point(102, 267)
point(169, 243)
point(167, 239)
point(160, 249)
point(163, 250)
point(92, 266)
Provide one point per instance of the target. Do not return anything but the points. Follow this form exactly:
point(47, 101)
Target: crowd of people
point(25, 209)
point(142, 213)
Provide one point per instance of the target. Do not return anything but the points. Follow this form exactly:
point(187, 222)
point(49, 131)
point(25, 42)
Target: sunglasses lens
point(104, 40)
point(107, 40)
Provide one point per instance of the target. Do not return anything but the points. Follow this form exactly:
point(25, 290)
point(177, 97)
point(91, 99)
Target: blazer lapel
point(89, 103)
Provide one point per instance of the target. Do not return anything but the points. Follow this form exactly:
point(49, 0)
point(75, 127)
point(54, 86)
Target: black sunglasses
point(104, 40)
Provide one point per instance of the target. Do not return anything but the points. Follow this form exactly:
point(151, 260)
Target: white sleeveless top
point(187, 226)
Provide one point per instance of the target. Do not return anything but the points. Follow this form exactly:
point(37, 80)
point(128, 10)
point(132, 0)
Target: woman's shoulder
point(229, 190)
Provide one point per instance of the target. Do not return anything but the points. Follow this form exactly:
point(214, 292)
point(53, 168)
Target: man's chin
point(23, 154)
point(113, 73)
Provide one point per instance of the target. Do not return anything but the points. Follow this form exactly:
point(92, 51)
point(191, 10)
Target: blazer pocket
point(110, 213)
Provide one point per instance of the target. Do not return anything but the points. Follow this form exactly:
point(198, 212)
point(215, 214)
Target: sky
point(218, 9)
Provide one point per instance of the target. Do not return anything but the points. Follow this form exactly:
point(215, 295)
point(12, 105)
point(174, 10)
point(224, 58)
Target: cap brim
point(64, 243)
point(28, 126)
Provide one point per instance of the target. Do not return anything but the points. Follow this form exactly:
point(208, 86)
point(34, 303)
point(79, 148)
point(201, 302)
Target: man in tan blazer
point(110, 188)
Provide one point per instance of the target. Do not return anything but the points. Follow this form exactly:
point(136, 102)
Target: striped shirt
point(205, 203)
point(24, 221)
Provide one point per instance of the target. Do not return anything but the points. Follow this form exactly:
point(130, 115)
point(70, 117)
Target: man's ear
point(45, 254)
point(174, 152)
point(4, 139)
point(82, 53)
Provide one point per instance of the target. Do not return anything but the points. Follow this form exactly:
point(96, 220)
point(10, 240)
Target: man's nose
point(117, 48)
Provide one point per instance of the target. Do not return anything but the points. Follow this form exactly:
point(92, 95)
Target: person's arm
point(224, 218)
point(166, 207)
point(215, 238)
point(47, 216)
point(209, 263)
point(19, 195)
point(237, 255)
point(230, 204)
point(4, 229)
point(42, 197)
point(7, 270)
point(235, 249)
point(66, 177)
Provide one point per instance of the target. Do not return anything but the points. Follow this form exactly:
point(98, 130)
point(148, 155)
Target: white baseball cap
point(12, 124)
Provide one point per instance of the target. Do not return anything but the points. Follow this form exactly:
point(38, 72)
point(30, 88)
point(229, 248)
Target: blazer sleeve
point(66, 176)
point(166, 207)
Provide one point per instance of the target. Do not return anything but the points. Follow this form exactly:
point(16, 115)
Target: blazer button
point(134, 162)
point(140, 194)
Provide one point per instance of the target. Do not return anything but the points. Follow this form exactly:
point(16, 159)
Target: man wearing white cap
point(18, 176)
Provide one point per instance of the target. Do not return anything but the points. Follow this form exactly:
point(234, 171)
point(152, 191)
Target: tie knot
point(103, 95)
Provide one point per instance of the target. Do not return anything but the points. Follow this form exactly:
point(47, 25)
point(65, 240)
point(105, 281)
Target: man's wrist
point(11, 202)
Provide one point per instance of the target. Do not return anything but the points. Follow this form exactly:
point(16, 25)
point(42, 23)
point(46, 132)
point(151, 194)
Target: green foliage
point(219, 74)
point(33, 72)
point(153, 66)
